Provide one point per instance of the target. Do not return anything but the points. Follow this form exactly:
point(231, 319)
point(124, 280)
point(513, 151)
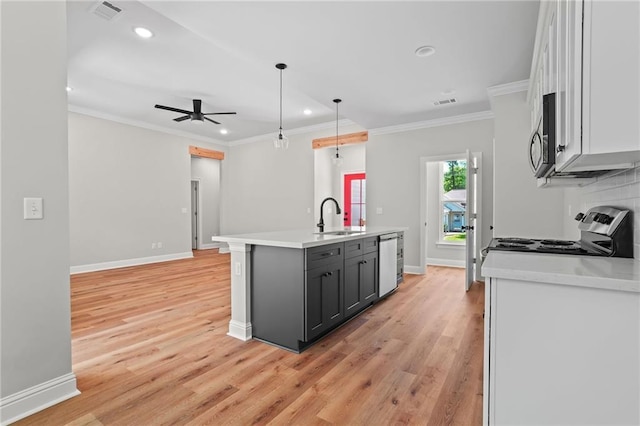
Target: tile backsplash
point(621, 190)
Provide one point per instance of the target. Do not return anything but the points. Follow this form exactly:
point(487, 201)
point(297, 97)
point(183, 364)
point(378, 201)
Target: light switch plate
point(33, 208)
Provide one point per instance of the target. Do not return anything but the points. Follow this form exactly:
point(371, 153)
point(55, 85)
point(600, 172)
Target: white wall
point(35, 319)
point(207, 172)
point(622, 190)
point(521, 209)
point(393, 175)
point(128, 188)
point(265, 189)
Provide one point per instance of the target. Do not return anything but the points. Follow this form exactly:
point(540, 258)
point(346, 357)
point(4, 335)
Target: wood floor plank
point(150, 348)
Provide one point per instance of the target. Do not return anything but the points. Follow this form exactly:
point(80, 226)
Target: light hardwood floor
point(150, 348)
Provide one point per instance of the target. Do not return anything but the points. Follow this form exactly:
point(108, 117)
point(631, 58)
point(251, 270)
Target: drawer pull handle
point(329, 253)
point(327, 274)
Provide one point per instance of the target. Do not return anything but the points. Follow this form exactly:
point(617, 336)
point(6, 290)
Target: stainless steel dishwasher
point(388, 262)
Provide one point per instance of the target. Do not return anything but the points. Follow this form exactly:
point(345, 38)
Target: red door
point(354, 199)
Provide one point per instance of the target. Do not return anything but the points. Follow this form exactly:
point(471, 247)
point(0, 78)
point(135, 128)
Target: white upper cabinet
point(588, 53)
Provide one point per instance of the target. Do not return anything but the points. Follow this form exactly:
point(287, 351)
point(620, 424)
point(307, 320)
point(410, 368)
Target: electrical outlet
point(378, 210)
point(153, 246)
point(238, 268)
point(160, 244)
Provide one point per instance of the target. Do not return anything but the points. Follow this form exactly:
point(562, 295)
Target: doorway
point(450, 202)
point(354, 202)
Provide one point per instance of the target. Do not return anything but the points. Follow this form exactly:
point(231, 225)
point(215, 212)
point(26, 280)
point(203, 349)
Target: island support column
point(240, 323)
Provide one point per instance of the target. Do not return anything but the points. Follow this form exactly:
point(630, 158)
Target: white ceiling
point(362, 51)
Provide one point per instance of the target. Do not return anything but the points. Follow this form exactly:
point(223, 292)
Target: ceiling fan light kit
point(281, 141)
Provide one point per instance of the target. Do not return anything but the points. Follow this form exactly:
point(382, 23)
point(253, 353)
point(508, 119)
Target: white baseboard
point(416, 270)
point(36, 398)
point(446, 262)
point(240, 330)
point(129, 262)
point(209, 246)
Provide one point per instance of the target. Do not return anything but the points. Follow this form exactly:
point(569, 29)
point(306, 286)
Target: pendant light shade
point(337, 159)
point(281, 141)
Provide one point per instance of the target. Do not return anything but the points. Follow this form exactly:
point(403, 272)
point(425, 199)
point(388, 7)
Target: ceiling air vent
point(106, 10)
point(445, 101)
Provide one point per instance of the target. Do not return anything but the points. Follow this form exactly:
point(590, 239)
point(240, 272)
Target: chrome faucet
point(338, 211)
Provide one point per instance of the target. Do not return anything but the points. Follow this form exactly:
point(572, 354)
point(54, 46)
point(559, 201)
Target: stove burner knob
point(603, 218)
point(579, 216)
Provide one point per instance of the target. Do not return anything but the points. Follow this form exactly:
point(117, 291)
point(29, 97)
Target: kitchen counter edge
point(607, 273)
point(302, 238)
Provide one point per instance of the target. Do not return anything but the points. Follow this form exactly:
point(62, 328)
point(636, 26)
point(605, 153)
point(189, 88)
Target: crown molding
point(297, 131)
point(508, 88)
point(122, 120)
point(483, 115)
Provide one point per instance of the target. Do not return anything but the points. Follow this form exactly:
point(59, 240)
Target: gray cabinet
point(324, 290)
point(299, 295)
point(400, 257)
point(361, 274)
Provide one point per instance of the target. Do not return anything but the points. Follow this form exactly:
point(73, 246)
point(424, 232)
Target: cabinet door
point(323, 299)
point(369, 278)
point(352, 291)
point(569, 95)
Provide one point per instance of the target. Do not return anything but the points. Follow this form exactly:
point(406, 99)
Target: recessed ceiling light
point(424, 51)
point(224, 131)
point(307, 111)
point(69, 88)
point(143, 32)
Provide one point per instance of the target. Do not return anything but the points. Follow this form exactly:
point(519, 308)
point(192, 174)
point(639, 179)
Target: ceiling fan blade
point(218, 113)
point(185, 117)
point(197, 106)
point(208, 119)
point(173, 109)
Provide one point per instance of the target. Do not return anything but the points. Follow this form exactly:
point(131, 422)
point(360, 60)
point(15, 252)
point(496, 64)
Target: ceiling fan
point(196, 114)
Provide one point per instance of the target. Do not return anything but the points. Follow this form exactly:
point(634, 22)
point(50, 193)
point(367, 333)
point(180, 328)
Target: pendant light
point(281, 141)
point(337, 160)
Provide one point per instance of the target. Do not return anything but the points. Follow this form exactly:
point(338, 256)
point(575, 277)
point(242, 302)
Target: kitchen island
point(290, 288)
point(562, 339)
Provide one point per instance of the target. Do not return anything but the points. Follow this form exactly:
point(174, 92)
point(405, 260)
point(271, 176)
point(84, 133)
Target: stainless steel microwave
point(542, 144)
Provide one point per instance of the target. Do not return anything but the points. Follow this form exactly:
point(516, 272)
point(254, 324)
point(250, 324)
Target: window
point(453, 198)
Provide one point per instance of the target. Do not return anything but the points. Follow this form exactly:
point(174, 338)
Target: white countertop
point(609, 273)
point(304, 238)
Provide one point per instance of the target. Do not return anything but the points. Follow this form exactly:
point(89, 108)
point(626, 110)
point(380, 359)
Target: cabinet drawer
point(353, 248)
point(370, 244)
point(323, 255)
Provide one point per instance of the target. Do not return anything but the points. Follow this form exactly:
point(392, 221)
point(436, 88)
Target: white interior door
point(194, 214)
point(473, 217)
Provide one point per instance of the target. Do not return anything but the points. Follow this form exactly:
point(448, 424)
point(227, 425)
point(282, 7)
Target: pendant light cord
point(281, 101)
point(337, 105)
point(337, 101)
point(281, 67)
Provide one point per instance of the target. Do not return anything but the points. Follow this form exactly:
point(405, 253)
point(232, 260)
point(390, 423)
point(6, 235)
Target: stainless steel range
point(604, 231)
